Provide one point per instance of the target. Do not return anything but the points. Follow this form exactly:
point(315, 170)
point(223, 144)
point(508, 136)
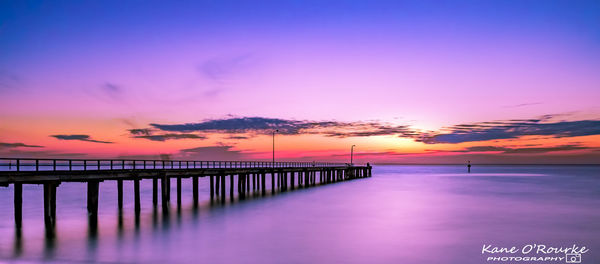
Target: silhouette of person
point(469, 166)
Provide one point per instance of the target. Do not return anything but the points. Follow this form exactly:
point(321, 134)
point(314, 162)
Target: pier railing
point(28, 164)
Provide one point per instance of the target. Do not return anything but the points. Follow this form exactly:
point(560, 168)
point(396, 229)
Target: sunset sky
point(404, 81)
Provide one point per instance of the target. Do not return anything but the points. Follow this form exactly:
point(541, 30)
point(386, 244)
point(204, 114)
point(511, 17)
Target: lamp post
point(352, 154)
point(274, 131)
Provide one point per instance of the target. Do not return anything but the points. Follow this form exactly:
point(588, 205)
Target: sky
point(404, 81)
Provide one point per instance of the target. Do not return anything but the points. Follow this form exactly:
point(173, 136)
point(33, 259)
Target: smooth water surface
point(403, 214)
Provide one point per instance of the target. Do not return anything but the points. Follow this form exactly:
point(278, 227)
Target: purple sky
point(102, 68)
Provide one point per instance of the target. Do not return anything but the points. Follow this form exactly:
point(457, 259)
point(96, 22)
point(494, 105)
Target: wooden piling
point(92, 197)
point(263, 182)
point(273, 182)
point(242, 185)
point(195, 189)
point(92, 203)
point(239, 184)
point(217, 185)
point(49, 208)
point(212, 187)
point(120, 195)
point(164, 192)
point(231, 187)
point(136, 194)
point(154, 192)
point(292, 174)
point(18, 204)
point(223, 187)
point(179, 192)
point(247, 183)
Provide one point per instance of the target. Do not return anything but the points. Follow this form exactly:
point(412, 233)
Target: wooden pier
point(251, 179)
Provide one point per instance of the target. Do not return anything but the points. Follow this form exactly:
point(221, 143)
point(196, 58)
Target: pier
point(248, 178)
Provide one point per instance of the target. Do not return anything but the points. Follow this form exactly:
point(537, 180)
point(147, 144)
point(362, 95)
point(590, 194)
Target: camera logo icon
point(573, 258)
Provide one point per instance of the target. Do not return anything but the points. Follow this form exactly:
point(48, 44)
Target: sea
point(402, 214)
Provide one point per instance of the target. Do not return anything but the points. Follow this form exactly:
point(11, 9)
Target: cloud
point(239, 125)
point(140, 131)
point(484, 149)
point(212, 153)
point(80, 138)
point(237, 137)
point(517, 150)
point(112, 90)
point(482, 131)
point(163, 137)
point(262, 125)
point(224, 68)
point(4, 145)
point(149, 133)
point(522, 105)
point(512, 129)
point(544, 149)
point(8, 81)
point(223, 72)
point(47, 154)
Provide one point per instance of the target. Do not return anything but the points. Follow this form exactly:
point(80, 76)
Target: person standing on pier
point(469, 166)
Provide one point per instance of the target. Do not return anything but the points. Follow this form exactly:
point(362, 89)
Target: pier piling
point(195, 189)
point(18, 204)
point(136, 193)
point(154, 191)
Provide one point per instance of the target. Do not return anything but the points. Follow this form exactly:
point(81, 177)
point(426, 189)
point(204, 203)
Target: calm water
point(403, 214)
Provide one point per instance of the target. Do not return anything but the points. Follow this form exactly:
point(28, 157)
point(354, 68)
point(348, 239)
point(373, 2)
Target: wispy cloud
point(212, 153)
point(86, 138)
point(150, 134)
point(4, 145)
point(518, 150)
point(222, 69)
point(512, 129)
point(167, 136)
point(8, 80)
point(112, 90)
point(221, 72)
point(522, 105)
point(237, 137)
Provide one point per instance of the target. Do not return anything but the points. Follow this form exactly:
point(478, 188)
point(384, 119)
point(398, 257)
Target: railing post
point(18, 163)
point(111, 164)
point(154, 164)
point(70, 165)
point(37, 165)
point(98, 164)
point(84, 164)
